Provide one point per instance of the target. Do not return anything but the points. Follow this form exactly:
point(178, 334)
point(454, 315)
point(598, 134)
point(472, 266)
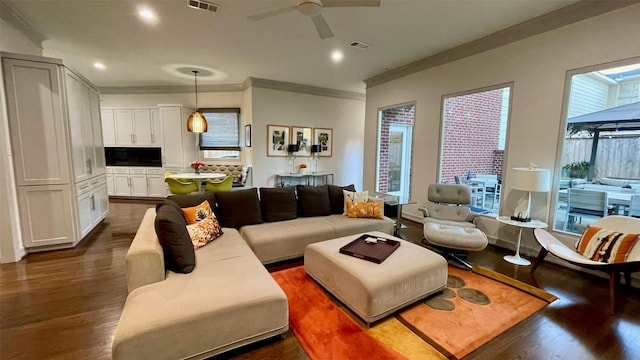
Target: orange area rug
point(323, 330)
point(472, 310)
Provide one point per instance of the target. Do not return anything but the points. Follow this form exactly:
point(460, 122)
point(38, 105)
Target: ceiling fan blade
point(350, 3)
point(321, 25)
point(271, 13)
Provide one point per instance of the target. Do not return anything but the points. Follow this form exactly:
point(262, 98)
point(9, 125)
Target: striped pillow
point(604, 245)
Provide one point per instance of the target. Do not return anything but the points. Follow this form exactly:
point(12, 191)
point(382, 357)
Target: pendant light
point(196, 122)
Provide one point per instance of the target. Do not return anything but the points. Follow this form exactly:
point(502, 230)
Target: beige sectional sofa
point(228, 299)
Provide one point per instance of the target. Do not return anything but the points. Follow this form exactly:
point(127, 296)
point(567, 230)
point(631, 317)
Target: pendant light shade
point(196, 122)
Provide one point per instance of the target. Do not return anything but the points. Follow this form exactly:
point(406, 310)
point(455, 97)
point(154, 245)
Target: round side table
point(533, 224)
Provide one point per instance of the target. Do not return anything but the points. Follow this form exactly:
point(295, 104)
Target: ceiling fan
point(313, 9)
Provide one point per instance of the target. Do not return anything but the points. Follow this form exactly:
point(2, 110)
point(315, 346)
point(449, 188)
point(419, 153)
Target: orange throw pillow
point(604, 245)
point(197, 213)
point(368, 209)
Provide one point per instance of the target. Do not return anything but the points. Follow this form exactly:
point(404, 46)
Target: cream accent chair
point(624, 224)
point(448, 226)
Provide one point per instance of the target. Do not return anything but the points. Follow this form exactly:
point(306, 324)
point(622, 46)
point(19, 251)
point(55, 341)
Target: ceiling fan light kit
point(313, 9)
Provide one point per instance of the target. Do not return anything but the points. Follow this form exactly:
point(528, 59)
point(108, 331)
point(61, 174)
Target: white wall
point(537, 66)
point(344, 116)
point(11, 249)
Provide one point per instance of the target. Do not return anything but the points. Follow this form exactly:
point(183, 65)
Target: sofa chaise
point(227, 299)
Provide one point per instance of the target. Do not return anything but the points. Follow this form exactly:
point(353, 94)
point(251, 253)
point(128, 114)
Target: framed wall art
point(277, 140)
point(247, 135)
point(324, 138)
point(301, 136)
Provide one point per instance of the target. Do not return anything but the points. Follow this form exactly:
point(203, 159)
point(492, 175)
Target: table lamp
point(315, 150)
point(528, 179)
point(292, 149)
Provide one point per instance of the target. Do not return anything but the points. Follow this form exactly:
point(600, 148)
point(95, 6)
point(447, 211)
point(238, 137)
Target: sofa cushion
point(278, 204)
point(336, 197)
point(171, 229)
point(204, 231)
point(197, 213)
point(238, 208)
point(313, 200)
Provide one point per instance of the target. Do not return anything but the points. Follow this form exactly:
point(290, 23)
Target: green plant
point(578, 169)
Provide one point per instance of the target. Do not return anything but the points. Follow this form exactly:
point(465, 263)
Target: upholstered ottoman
point(371, 290)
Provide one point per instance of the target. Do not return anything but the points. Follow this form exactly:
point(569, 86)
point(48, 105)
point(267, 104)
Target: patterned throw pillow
point(604, 245)
point(204, 231)
point(353, 196)
point(368, 209)
point(197, 213)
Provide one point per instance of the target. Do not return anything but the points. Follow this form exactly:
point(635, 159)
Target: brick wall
point(398, 115)
point(471, 135)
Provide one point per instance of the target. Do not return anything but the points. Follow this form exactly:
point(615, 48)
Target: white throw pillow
point(362, 196)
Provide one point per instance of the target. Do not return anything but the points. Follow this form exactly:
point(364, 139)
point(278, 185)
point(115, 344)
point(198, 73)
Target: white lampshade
point(531, 179)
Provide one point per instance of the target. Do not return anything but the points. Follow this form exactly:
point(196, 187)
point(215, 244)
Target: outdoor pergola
point(620, 118)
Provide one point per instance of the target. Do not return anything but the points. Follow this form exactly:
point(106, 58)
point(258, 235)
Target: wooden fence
point(616, 157)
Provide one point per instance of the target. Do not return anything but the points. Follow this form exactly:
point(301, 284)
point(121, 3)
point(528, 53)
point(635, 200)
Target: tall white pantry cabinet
point(58, 155)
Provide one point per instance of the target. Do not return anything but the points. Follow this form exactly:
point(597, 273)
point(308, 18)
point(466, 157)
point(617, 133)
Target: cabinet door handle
point(129, 182)
point(93, 202)
point(148, 183)
point(153, 138)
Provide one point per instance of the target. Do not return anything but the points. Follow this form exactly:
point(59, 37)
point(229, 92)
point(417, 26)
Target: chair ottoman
point(371, 290)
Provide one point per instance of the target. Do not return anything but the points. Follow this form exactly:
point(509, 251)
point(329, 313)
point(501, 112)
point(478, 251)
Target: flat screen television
point(133, 156)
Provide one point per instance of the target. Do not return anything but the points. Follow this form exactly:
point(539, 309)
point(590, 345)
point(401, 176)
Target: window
point(599, 165)
point(474, 130)
point(222, 139)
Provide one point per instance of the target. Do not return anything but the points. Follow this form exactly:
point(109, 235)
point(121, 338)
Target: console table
point(317, 178)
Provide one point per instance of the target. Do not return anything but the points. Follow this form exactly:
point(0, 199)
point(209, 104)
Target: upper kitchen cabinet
point(131, 127)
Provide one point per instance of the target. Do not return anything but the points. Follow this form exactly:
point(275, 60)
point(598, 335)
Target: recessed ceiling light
point(99, 65)
point(147, 15)
point(337, 56)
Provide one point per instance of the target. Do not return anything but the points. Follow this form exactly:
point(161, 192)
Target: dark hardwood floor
point(66, 304)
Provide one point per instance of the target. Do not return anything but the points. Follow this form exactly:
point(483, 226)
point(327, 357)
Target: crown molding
point(168, 89)
point(303, 89)
point(15, 19)
point(564, 16)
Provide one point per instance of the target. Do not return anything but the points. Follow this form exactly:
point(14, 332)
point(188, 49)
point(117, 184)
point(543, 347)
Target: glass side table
point(394, 201)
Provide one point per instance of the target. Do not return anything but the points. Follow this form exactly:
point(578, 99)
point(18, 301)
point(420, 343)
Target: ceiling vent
point(202, 5)
point(360, 45)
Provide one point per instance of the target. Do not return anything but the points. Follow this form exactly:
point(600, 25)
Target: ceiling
point(285, 47)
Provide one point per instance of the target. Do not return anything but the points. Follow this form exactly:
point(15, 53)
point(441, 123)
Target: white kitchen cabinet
point(108, 127)
point(121, 181)
point(138, 185)
point(56, 143)
point(46, 215)
point(179, 146)
point(92, 204)
point(37, 122)
point(134, 127)
point(111, 187)
point(155, 182)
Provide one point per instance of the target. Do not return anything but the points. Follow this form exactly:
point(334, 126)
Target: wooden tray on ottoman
point(375, 252)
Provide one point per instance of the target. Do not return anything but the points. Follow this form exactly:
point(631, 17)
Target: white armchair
point(623, 224)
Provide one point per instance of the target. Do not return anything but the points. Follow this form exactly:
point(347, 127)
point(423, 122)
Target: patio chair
point(622, 224)
point(585, 203)
point(448, 227)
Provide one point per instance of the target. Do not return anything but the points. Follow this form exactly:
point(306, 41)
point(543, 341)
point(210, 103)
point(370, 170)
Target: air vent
point(202, 5)
point(360, 45)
